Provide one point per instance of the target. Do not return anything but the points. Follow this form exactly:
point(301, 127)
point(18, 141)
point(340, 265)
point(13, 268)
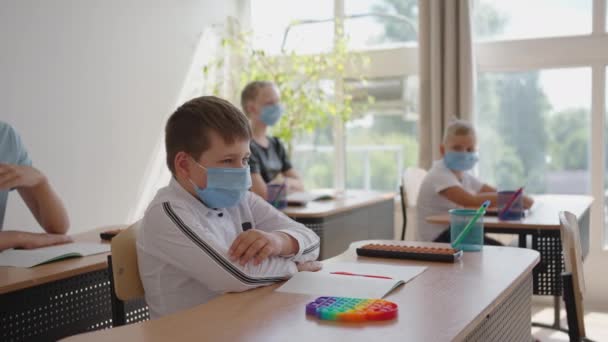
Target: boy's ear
point(442, 150)
point(249, 108)
point(181, 164)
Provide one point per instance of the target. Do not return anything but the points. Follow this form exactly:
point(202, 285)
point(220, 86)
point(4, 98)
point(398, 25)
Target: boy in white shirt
point(205, 234)
point(448, 185)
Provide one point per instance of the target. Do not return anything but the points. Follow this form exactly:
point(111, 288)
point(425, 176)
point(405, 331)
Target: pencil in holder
point(277, 195)
point(510, 205)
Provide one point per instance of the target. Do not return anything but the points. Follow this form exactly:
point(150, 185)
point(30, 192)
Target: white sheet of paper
point(33, 257)
point(326, 284)
point(300, 197)
point(305, 197)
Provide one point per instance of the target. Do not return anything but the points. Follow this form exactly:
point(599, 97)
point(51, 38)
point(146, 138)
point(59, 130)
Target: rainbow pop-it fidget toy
point(346, 309)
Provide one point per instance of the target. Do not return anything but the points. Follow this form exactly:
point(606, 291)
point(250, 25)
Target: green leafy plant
point(307, 83)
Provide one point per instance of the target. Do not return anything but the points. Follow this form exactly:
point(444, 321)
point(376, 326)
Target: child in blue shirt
point(17, 173)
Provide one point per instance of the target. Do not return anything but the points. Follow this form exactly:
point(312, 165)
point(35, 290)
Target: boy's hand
point(309, 266)
point(254, 243)
point(15, 176)
point(25, 240)
point(528, 202)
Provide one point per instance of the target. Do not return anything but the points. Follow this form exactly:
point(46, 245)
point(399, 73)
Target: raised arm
point(37, 194)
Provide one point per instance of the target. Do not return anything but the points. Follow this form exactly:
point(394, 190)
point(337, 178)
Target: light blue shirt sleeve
point(12, 151)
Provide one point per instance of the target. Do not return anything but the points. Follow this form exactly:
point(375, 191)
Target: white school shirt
point(182, 249)
point(430, 202)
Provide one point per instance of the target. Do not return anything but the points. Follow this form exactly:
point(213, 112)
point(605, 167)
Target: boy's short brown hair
point(251, 90)
point(188, 127)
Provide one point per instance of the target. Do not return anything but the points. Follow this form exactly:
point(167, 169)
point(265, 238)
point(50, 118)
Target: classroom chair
point(125, 283)
point(410, 186)
point(573, 279)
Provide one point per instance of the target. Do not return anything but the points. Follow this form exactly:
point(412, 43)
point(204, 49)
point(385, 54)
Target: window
point(523, 19)
point(314, 153)
point(299, 23)
point(606, 157)
point(547, 73)
point(381, 23)
point(383, 139)
point(534, 129)
point(381, 136)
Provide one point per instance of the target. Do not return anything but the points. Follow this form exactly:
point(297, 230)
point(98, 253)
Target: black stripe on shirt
point(311, 248)
point(237, 273)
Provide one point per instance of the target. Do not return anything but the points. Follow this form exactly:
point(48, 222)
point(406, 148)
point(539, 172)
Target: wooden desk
point(543, 216)
point(542, 224)
point(55, 300)
point(484, 297)
point(542, 220)
point(356, 215)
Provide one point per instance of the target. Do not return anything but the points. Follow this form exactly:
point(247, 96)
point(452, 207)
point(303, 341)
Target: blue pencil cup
point(459, 218)
point(516, 208)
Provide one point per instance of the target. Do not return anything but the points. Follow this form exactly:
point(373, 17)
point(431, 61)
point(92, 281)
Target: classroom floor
point(596, 324)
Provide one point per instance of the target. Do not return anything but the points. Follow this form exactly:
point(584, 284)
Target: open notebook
point(34, 257)
point(327, 284)
point(302, 198)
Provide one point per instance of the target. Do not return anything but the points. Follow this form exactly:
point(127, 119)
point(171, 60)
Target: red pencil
point(510, 203)
point(360, 275)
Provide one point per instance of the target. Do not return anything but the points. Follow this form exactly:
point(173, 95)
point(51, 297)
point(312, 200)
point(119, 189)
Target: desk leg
point(556, 320)
point(556, 311)
point(522, 240)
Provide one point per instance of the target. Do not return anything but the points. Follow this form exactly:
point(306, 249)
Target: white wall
point(88, 84)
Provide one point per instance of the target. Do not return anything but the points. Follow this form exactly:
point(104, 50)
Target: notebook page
point(33, 257)
point(326, 284)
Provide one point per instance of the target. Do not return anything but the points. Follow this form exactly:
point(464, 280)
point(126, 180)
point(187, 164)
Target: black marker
point(246, 226)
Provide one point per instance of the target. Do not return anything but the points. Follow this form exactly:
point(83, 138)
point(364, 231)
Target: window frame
point(590, 51)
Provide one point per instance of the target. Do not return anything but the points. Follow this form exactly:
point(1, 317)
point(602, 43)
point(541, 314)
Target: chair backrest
point(571, 244)
point(127, 283)
point(411, 180)
point(573, 261)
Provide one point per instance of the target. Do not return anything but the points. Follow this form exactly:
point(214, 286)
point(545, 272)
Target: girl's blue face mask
point(271, 114)
point(460, 161)
point(226, 186)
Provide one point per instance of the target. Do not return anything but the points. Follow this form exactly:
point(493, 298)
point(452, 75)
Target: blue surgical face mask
point(460, 161)
point(225, 186)
point(271, 114)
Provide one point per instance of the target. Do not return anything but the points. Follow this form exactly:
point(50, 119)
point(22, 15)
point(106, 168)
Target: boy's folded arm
point(485, 188)
point(173, 235)
point(268, 219)
point(464, 198)
point(308, 241)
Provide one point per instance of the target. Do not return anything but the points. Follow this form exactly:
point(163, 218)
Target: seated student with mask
point(269, 162)
point(17, 173)
point(449, 185)
point(205, 233)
